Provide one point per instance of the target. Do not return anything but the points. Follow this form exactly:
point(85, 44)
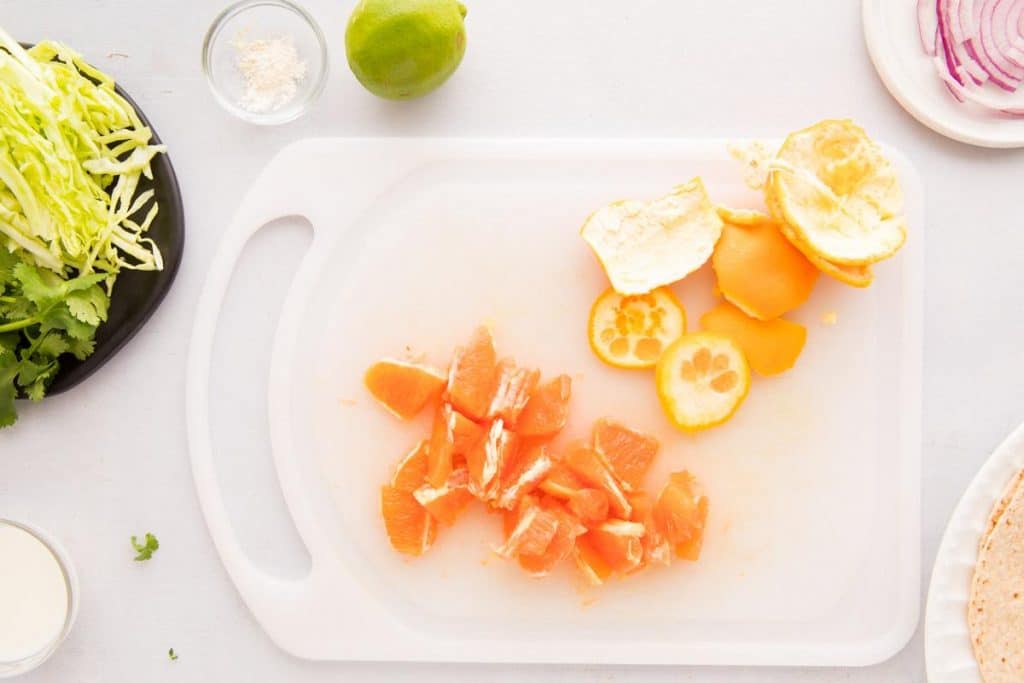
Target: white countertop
point(109, 459)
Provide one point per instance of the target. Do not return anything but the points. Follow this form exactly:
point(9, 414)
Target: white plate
point(891, 33)
point(812, 553)
point(948, 650)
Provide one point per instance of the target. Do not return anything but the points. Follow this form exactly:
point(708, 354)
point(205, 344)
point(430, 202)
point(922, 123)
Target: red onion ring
point(974, 42)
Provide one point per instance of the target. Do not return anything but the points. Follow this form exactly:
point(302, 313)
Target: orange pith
point(403, 388)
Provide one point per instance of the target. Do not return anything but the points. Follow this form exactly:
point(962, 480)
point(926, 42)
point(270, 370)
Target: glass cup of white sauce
point(38, 597)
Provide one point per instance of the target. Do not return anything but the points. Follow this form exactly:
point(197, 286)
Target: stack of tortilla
point(996, 607)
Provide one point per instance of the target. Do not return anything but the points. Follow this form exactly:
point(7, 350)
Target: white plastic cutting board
point(812, 552)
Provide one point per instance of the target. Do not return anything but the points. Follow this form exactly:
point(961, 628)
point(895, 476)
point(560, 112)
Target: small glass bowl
point(263, 19)
point(21, 666)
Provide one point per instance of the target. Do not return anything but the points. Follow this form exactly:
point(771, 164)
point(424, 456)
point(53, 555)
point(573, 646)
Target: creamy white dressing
point(33, 595)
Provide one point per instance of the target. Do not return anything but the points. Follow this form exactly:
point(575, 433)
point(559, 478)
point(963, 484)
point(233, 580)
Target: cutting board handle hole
point(238, 397)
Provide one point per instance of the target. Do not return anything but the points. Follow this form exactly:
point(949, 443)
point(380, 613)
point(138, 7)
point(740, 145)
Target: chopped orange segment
point(590, 505)
point(509, 518)
point(403, 388)
point(588, 466)
point(410, 528)
point(632, 331)
point(759, 270)
point(465, 434)
point(656, 547)
point(681, 513)
point(618, 544)
point(702, 379)
point(561, 546)
point(547, 410)
point(471, 378)
point(590, 562)
point(412, 470)
point(445, 503)
point(587, 505)
point(532, 534)
point(627, 452)
point(442, 444)
point(485, 459)
point(521, 474)
point(512, 390)
point(771, 346)
point(561, 482)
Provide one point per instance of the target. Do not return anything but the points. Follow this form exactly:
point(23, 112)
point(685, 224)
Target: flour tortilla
point(996, 608)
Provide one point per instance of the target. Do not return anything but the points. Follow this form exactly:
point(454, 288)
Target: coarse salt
point(272, 71)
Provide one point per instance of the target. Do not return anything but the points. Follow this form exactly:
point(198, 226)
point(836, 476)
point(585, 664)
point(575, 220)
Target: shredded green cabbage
point(72, 153)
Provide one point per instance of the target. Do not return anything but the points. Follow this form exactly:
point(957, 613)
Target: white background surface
point(108, 459)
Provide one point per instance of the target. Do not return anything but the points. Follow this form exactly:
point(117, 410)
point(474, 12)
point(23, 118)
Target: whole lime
point(401, 49)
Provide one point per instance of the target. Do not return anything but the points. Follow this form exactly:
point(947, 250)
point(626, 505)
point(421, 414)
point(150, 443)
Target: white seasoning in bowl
point(271, 70)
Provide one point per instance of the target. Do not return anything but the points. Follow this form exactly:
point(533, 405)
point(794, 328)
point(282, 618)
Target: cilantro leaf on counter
point(145, 550)
point(171, 654)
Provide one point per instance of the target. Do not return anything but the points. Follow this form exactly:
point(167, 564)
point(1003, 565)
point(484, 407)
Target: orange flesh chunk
point(587, 465)
point(484, 460)
point(760, 271)
point(590, 505)
point(521, 474)
point(412, 470)
point(590, 562)
point(403, 388)
point(561, 482)
point(680, 513)
point(560, 547)
point(512, 390)
point(442, 445)
point(627, 452)
point(447, 502)
point(465, 434)
point(656, 547)
point(547, 410)
point(771, 346)
point(532, 534)
point(411, 530)
point(471, 378)
point(618, 544)
point(586, 506)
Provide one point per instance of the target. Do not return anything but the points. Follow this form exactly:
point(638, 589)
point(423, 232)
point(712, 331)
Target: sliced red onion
point(927, 25)
point(974, 42)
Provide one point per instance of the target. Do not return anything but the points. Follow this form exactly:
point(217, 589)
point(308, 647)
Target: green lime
point(400, 49)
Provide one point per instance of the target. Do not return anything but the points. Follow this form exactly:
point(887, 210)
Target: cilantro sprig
point(42, 317)
point(145, 549)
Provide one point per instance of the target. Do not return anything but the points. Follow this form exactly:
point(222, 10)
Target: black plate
point(137, 294)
